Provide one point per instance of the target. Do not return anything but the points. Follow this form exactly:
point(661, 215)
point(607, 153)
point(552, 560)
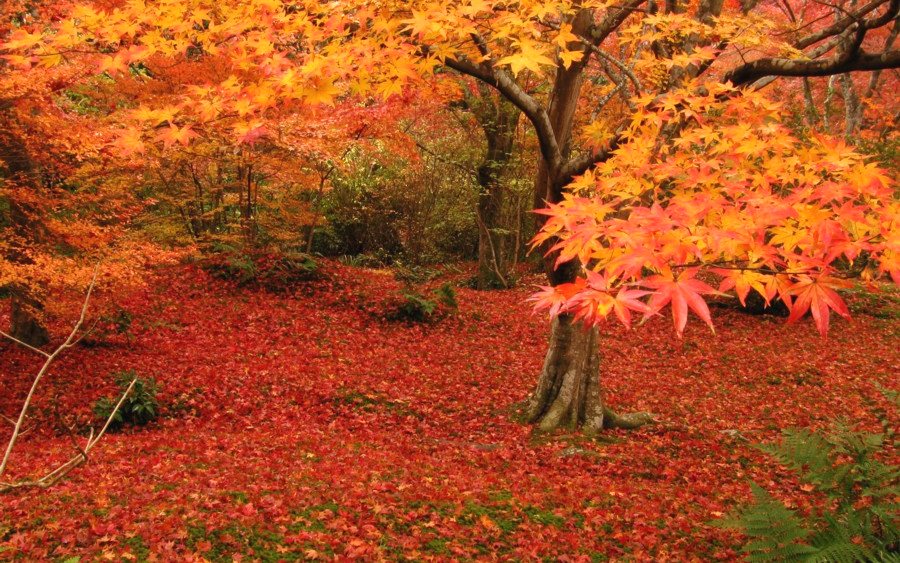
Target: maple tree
point(626, 84)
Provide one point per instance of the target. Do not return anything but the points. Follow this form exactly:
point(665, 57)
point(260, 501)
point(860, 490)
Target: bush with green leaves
point(419, 308)
point(273, 270)
point(856, 473)
point(139, 407)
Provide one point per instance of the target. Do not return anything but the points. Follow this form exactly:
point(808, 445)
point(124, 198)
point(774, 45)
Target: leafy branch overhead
point(737, 196)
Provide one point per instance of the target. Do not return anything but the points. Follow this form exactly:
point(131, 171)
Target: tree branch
point(863, 61)
point(68, 343)
point(529, 107)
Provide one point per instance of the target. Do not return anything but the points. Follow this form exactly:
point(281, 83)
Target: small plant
point(413, 274)
point(281, 271)
point(272, 270)
point(138, 408)
point(446, 296)
point(419, 308)
point(415, 307)
point(859, 523)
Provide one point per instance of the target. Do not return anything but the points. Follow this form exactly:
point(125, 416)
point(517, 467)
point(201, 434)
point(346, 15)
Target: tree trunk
point(492, 263)
point(24, 322)
point(498, 119)
point(568, 391)
point(568, 388)
point(17, 171)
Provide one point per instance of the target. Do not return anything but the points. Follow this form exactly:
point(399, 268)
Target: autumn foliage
point(735, 194)
point(305, 427)
point(312, 411)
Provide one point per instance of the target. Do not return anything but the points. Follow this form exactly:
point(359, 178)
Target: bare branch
point(26, 345)
point(43, 371)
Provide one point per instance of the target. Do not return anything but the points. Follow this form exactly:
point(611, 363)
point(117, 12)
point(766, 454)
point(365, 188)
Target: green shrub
point(416, 307)
point(446, 296)
point(231, 264)
point(860, 520)
point(138, 408)
point(271, 270)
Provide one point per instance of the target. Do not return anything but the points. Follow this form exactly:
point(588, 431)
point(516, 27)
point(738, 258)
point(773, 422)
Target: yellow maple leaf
point(129, 142)
point(531, 56)
point(567, 57)
point(113, 64)
point(322, 91)
point(174, 134)
point(21, 39)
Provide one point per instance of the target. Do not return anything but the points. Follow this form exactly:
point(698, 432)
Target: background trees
point(64, 203)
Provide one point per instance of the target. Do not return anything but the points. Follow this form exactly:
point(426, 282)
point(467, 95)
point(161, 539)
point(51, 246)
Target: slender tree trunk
point(17, 171)
point(24, 322)
point(498, 119)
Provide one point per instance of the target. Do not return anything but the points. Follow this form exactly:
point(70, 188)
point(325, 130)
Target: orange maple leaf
point(817, 295)
point(683, 292)
point(173, 134)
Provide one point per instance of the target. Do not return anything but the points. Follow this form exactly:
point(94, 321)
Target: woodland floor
point(307, 427)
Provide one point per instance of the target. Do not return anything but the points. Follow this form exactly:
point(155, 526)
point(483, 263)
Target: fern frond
point(841, 541)
point(776, 534)
point(886, 557)
point(809, 453)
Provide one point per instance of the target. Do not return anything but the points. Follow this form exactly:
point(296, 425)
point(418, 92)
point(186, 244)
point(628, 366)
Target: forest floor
point(307, 426)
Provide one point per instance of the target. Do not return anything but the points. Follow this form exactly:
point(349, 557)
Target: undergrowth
point(859, 523)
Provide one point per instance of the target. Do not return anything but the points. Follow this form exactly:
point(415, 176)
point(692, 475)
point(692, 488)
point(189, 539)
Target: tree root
point(627, 421)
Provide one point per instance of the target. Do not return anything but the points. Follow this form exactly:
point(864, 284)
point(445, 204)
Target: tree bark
point(17, 172)
point(498, 119)
point(568, 388)
point(568, 391)
point(24, 319)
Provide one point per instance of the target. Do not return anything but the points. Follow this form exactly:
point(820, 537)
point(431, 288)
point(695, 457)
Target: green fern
point(860, 520)
point(775, 533)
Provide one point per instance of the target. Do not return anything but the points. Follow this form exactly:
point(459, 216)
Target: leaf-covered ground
point(306, 427)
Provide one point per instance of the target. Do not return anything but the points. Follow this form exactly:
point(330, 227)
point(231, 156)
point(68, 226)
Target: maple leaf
point(322, 91)
point(129, 142)
point(555, 298)
point(530, 57)
point(19, 61)
point(20, 39)
point(742, 281)
point(683, 292)
point(598, 298)
point(817, 294)
point(567, 57)
point(174, 134)
point(249, 133)
point(113, 64)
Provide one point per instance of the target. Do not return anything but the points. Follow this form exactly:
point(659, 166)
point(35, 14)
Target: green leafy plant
point(446, 296)
point(852, 470)
point(274, 270)
point(417, 307)
point(229, 263)
point(139, 407)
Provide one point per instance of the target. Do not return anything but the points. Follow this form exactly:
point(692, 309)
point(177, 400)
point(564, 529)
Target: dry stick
point(50, 357)
point(78, 459)
point(495, 262)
